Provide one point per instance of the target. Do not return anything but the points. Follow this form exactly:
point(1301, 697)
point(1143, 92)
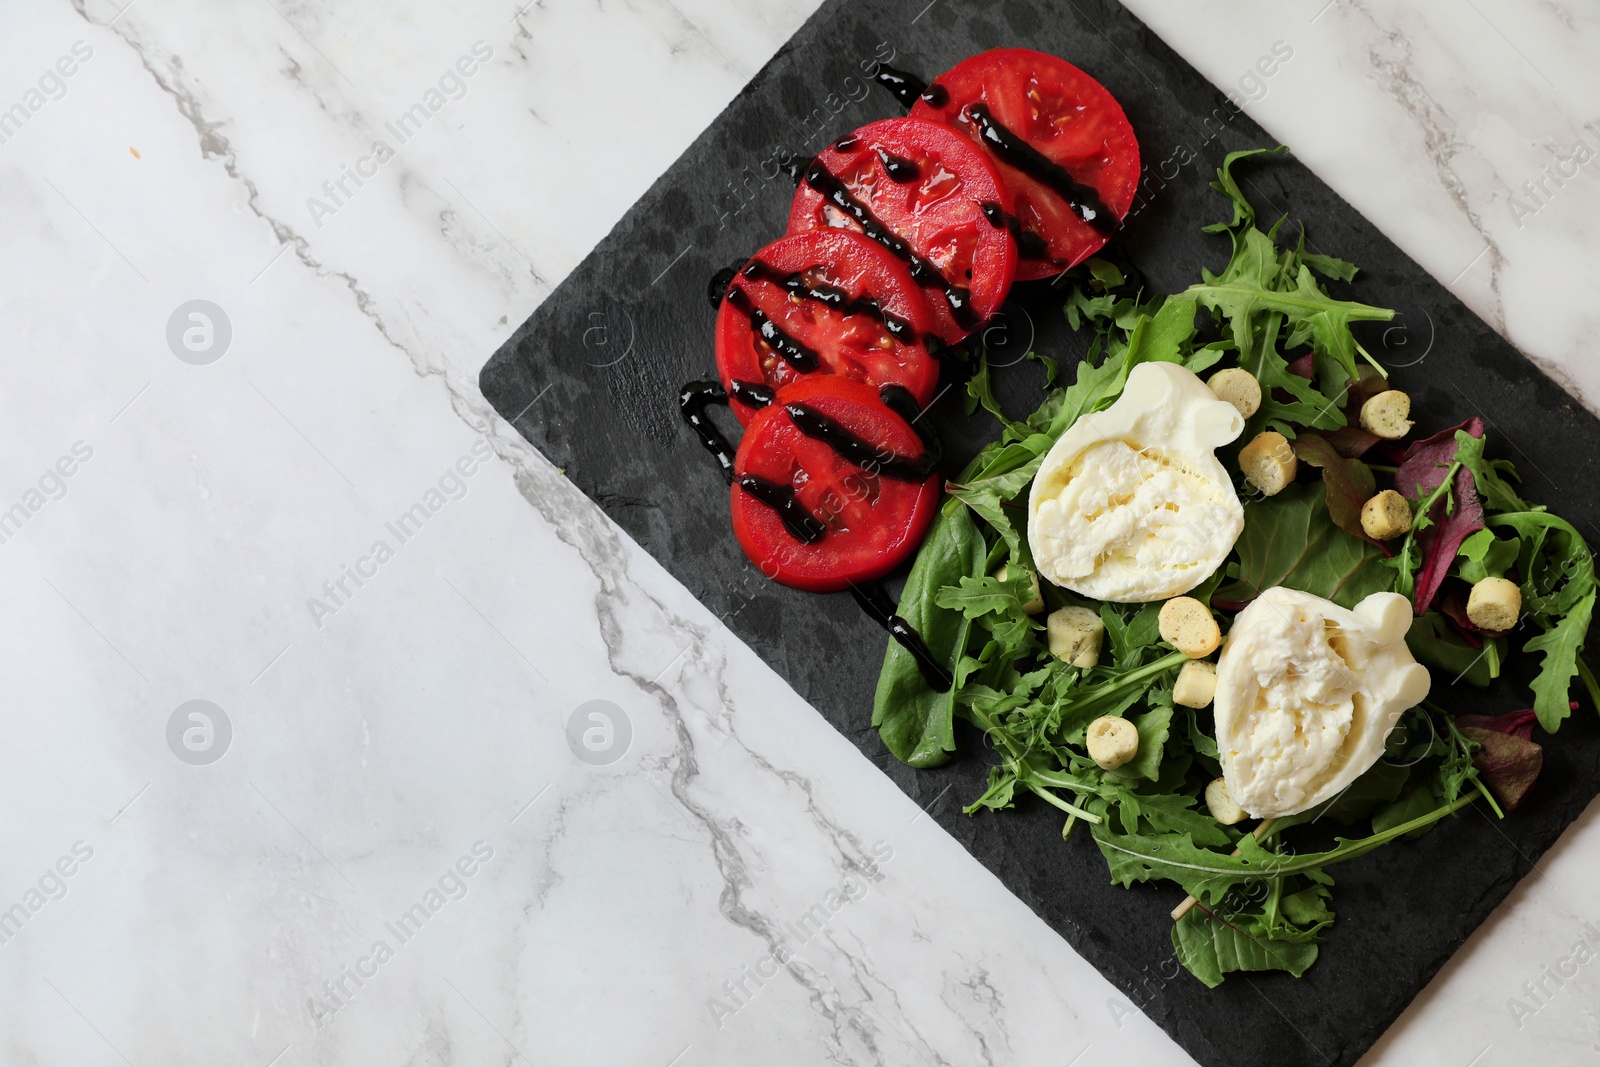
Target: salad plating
point(1075, 582)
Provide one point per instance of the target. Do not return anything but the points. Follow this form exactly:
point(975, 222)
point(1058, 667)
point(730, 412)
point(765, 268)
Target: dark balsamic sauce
point(837, 299)
point(852, 449)
point(957, 298)
point(801, 524)
point(797, 355)
point(902, 85)
point(875, 602)
point(1084, 201)
point(900, 170)
point(908, 88)
point(720, 282)
point(751, 394)
point(1029, 244)
point(898, 399)
point(693, 399)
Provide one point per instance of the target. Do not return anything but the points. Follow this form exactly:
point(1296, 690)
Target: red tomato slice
point(831, 486)
point(920, 190)
point(1060, 141)
point(824, 302)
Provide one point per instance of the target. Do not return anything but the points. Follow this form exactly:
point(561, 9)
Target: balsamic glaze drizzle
point(908, 88)
point(957, 298)
point(693, 399)
point(900, 170)
point(1084, 201)
point(875, 602)
point(801, 524)
point(904, 86)
point(852, 449)
point(720, 282)
point(898, 399)
point(797, 355)
point(751, 394)
point(1029, 244)
point(838, 299)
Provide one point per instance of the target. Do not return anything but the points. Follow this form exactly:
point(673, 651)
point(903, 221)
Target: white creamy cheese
point(1130, 504)
point(1307, 692)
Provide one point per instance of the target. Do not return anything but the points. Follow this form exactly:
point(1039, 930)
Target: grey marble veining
point(224, 907)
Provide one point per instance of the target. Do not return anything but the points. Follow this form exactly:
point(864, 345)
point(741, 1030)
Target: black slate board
point(590, 380)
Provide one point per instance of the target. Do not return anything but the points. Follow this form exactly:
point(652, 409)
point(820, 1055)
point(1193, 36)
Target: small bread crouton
point(1221, 802)
point(1034, 605)
point(1112, 741)
point(1238, 387)
point(1074, 634)
point(1187, 625)
point(1387, 415)
point(1196, 684)
point(1268, 462)
point(1495, 604)
point(1386, 515)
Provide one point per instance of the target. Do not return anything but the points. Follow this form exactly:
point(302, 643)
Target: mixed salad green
point(1259, 904)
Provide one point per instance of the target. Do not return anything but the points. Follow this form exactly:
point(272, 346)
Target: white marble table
point(393, 720)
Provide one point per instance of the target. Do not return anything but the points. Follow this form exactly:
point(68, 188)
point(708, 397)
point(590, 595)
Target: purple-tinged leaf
point(1421, 471)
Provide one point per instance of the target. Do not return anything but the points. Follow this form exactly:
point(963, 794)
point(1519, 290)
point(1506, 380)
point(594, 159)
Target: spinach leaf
point(1209, 946)
point(1290, 540)
point(915, 721)
point(1433, 642)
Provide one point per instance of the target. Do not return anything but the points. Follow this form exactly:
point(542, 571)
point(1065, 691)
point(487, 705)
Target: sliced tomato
point(831, 485)
point(1060, 140)
point(823, 302)
point(931, 198)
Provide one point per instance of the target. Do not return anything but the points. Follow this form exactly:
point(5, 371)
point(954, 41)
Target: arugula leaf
point(1244, 213)
point(1561, 645)
point(1162, 337)
point(1168, 813)
point(1558, 591)
point(980, 391)
point(985, 594)
point(1494, 488)
point(1327, 266)
point(1052, 368)
point(915, 721)
point(1207, 875)
point(1153, 727)
point(1290, 540)
point(1555, 561)
point(1129, 638)
point(997, 605)
point(1485, 556)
